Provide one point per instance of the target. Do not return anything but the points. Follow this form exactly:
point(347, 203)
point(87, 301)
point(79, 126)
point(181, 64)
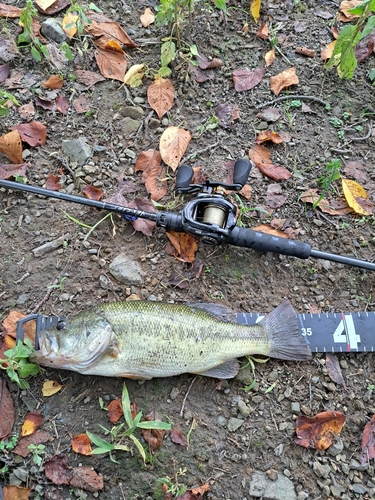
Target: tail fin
point(286, 341)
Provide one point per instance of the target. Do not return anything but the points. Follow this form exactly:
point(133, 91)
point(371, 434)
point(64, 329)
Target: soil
point(68, 277)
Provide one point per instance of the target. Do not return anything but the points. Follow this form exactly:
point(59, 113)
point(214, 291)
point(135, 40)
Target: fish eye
point(61, 325)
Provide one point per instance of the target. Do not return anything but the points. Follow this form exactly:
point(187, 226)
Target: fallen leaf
point(356, 197)
point(147, 18)
point(300, 26)
point(275, 172)
point(268, 135)
point(283, 80)
point(54, 82)
point(345, 6)
point(306, 109)
point(38, 437)
point(334, 370)
point(34, 133)
point(153, 437)
point(56, 7)
point(173, 144)
point(265, 228)
point(6, 410)
point(134, 75)
point(332, 207)
point(269, 115)
point(305, 51)
point(185, 245)
point(62, 104)
point(368, 441)
point(111, 64)
point(92, 192)
point(205, 63)
point(260, 155)
point(160, 95)
point(227, 114)
point(153, 173)
point(356, 170)
point(182, 278)
point(86, 478)
point(9, 11)
point(53, 182)
point(81, 444)
point(57, 470)
point(263, 32)
point(81, 105)
point(177, 437)
point(143, 225)
point(270, 57)
point(15, 493)
point(88, 78)
point(44, 4)
point(255, 9)
point(44, 103)
point(327, 52)
point(275, 197)
point(26, 111)
point(50, 387)
point(69, 24)
point(247, 80)
point(110, 31)
point(11, 146)
point(319, 432)
point(323, 14)
point(33, 421)
point(4, 71)
point(199, 490)
point(7, 171)
point(115, 411)
point(10, 323)
point(365, 47)
point(201, 76)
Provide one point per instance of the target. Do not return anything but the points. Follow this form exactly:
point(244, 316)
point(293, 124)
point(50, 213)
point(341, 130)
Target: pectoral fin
point(226, 370)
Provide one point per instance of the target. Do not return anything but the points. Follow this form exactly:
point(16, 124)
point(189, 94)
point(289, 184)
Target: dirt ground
point(240, 278)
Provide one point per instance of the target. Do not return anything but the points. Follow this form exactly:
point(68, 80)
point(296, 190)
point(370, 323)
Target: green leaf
point(359, 9)
point(100, 451)
point(92, 6)
point(24, 38)
point(194, 50)
point(249, 387)
point(372, 74)
point(28, 369)
point(36, 55)
point(155, 425)
point(164, 72)
point(220, 4)
point(98, 441)
point(139, 447)
point(369, 28)
point(137, 419)
point(168, 52)
point(125, 403)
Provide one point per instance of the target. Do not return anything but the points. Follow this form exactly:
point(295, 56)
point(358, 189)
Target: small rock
point(262, 487)
point(337, 490)
point(221, 420)
point(234, 424)
point(302, 495)
point(272, 474)
point(174, 393)
point(336, 448)
point(134, 112)
point(129, 126)
point(295, 408)
point(359, 488)
point(288, 392)
point(22, 299)
point(354, 465)
point(244, 409)
point(76, 150)
point(278, 451)
point(321, 470)
point(51, 29)
point(126, 270)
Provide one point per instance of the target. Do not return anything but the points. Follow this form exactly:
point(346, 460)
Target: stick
point(286, 97)
point(367, 136)
point(186, 395)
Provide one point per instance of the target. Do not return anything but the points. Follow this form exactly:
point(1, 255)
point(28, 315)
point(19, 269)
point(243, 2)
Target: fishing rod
point(209, 216)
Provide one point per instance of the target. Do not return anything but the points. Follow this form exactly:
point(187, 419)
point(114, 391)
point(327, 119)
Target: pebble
point(354, 465)
point(243, 408)
point(336, 448)
point(221, 420)
point(234, 424)
point(321, 470)
point(174, 393)
point(295, 408)
point(278, 451)
point(359, 488)
point(22, 299)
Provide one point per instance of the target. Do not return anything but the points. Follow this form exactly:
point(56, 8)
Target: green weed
point(26, 38)
point(4, 98)
point(37, 451)
point(251, 360)
point(331, 174)
point(16, 364)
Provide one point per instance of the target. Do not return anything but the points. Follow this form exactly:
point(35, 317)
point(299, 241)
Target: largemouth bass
point(143, 340)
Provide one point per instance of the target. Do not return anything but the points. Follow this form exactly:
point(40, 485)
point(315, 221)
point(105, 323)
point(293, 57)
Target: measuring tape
point(331, 332)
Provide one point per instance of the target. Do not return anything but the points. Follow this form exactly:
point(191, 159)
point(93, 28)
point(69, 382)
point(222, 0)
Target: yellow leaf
point(270, 57)
point(255, 9)
point(134, 75)
point(45, 4)
point(50, 387)
point(69, 24)
point(357, 197)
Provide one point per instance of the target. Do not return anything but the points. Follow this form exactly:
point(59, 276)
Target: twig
point(199, 151)
point(367, 136)
point(286, 97)
point(44, 299)
point(186, 395)
point(282, 55)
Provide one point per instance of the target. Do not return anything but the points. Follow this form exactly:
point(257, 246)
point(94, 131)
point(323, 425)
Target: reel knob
point(183, 178)
point(241, 171)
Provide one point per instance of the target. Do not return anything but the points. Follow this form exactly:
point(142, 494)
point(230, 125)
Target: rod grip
point(245, 237)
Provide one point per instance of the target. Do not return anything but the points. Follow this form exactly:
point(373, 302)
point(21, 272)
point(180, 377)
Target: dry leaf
point(88, 78)
point(246, 80)
point(356, 170)
point(260, 155)
point(69, 24)
point(274, 172)
point(34, 133)
point(147, 18)
point(62, 104)
point(16, 493)
point(368, 441)
point(153, 173)
point(53, 182)
point(134, 75)
point(275, 197)
point(268, 135)
point(334, 370)
point(110, 31)
point(327, 52)
point(11, 146)
point(86, 478)
point(111, 64)
point(185, 245)
point(269, 114)
point(45, 4)
point(154, 437)
point(319, 432)
point(263, 32)
point(177, 437)
point(270, 57)
point(332, 207)
point(255, 9)
point(345, 6)
point(23, 444)
point(143, 225)
point(54, 82)
point(205, 63)
point(6, 410)
point(26, 111)
point(50, 387)
point(182, 277)
point(4, 71)
point(356, 197)
point(10, 325)
point(9, 11)
point(57, 470)
point(7, 171)
point(283, 80)
point(264, 228)
point(81, 444)
point(160, 95)
point(173, 144)
point(115, 411)
point(92, 192)
point(81, 105)
point(305, 51)
point(32, 423)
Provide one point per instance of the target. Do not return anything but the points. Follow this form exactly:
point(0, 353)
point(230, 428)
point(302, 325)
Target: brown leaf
point(283, 80)
point(6, 410)
point(115, 411)
point(268, 135)
point(368, 441)
point(160, 95)
point(57, 470)
point(305, 51)
point(23, 444)
point(153, 173)
point(32, 422)
point(4, 72)
point(205, 63)
point(62, 104)
point(26, 111)
point(263, 32)
point(147, 18)
point(87, 479)
point(185, 245)
point(265, 228)
point(50, 387)
point(270, 57)
point(247, 80)
point(356, 170)
point(110, 31)
point(227, 114)
point(80, 104)
point(327, 52)
point(88, 78)
point(319, 432)
point(82, 444)
point(177, 437)
point(34, 133)
point(333, 207)
point(275, 197)
point(10, 170)
point(92, 192)
point(44, 103)
point(11, 146)
point(143, 225)
point(260, 155)
point(345, 6)
point(173, 144)
point(269, 114)
point(54, 82)
point(154, 437)
point(201, 75)
point(182, 278)
point(275, 172)
point(9, 11)
point(56, 7)
point(365, 47)
point(10, 325)
point(334, 370)
point(15, 493)
point(111, 64)
point(53, 182)
point(300, 26)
